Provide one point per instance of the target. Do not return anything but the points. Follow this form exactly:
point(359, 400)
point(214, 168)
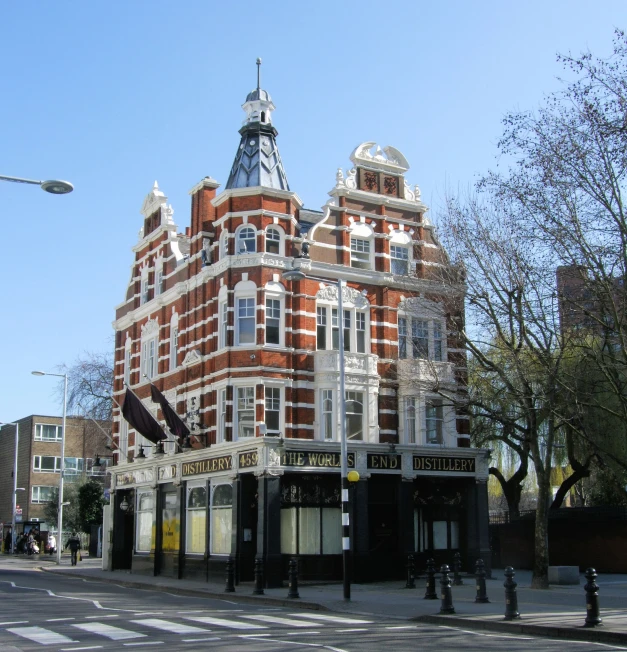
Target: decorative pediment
point(193, 357)
point(388, 159)
point(153, 202)
point(151, 327)
point(349, 295)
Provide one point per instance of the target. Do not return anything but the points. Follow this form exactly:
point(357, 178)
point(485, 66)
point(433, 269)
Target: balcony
point(355, 364)
point(426, 371)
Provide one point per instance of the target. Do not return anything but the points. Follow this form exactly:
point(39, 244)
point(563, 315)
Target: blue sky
point(113, 95)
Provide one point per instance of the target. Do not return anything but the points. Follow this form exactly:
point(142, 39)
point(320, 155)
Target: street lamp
point(60, 503)
point(53, 186)
point(15, 487)
point(298, 275)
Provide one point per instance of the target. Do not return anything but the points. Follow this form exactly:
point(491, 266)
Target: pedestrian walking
point(52, 544)
point(74, 544)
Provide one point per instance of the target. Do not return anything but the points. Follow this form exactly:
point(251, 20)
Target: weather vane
point(258, 73)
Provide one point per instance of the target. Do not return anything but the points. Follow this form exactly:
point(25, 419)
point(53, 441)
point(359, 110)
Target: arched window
point(246, 240)
point(274, 313)
point(245, 314)
point(196, 517)
point(273, 241)
point(362, 246)
point(224, 245)
point(401, 253)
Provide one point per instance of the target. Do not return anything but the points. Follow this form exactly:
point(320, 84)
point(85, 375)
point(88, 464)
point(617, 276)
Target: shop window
point(326, 410)
point(196, 518)
point(410, 420)
point(246, 321)
point(399, 260)
point(273, 241)
point(145, 503)
point(41, 494)
point(354, 415)
point(273, 321)
point(311, 517)
point(433, 422)
point(246, 240)
point(245, 417)
point(273, 410)
point(436, 529)
point(221, 519)
point(46, 432)
point(360, 253)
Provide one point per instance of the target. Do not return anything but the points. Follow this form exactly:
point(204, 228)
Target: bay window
point(273, 321)
point(326, 414)
point(355, 329)
point(354, 415)
point(246, 321)
point(433, 422)
point(273, 241)
point(246, 240)
point(410, 420)
point(273, 410)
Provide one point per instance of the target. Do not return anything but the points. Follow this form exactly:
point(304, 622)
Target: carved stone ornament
point(193, 357)
point(351, 179)
point(349, 295)
point(339, 178)
point(372, 156)
point(150, 328)
point(153, 201)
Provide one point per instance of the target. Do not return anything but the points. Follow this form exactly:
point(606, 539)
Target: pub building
point(227, 373)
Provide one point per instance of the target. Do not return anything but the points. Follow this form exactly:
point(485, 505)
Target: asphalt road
point(42, 611)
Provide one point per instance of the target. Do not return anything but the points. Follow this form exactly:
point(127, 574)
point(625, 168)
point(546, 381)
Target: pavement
point(558, 612)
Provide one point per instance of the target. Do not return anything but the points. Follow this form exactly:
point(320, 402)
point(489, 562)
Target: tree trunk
point(540, 578)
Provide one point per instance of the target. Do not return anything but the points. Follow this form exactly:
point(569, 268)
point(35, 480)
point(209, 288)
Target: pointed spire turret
point(258, 162)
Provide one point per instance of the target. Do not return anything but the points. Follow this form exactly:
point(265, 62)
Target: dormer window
point(360, 253)
point(263, 116)
point(247, 241)
point(273, 241)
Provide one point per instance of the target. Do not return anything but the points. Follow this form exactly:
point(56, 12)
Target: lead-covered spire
point(258, 162)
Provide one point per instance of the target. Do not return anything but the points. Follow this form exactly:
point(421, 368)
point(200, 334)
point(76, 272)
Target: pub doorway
point(168, 531)
point(123, 530)
point(383, 520)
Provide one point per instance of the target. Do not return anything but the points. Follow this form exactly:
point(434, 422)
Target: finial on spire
point(258, 73)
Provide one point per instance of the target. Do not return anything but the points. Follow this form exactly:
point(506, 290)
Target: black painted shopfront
point(189, 521)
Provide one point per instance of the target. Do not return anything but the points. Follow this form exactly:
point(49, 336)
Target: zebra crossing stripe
point(283, 621)
point(334, 619)
point(114, 633)
point(41, 635)
point(168, 626)
point(223, 622)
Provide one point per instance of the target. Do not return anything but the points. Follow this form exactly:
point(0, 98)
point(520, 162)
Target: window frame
point(327, 416)
point(278, 240)
point(190, 512)
point(277, 395)
point(411, 406)
point(140, 515)
point(174, 345)
point(251, 304)
point(268, 310)
point(238, 424)
point(222, 414)
point(39, 432)
point(434, 422)
point(395, 259)
point(362, 401)
point(56, 465)
point(150, 356)
point(39, 487)
point(241, 240)
point(212, 509)
point(361, 252)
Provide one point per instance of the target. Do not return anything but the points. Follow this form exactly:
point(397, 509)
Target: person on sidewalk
point(52, 544)
point(74, 544)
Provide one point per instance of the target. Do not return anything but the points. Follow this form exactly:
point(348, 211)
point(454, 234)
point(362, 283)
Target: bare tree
point(90, 386)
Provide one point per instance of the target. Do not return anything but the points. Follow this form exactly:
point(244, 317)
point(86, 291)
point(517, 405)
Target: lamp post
point(15, 487)
point(54, 186)
point(298, 275)
point(60, 502)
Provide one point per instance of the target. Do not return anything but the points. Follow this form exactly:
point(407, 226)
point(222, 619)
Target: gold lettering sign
point(447, 464)
point(318, 460)
point(211, 465)
point(248, 459)
point(384, 462)
point(167, 472)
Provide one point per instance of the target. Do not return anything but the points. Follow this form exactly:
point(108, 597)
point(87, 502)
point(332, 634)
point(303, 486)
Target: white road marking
point(222, 622)
point(148, 613)
point(41, 635)
point(354, 629)
point(14, 622)
point(103, 616)
point(402, 627)
point(281, 621)
point(88, 647)
point(144, 643)
point(198, 640)
point(57, 620)
point(167, 626)
point(114, 633)
point(320, 645)
point(300, 633)
point(334, 619)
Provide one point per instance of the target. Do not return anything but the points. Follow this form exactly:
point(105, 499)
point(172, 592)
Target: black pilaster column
point(406, 519)
point(477, 527)
point(269, 529)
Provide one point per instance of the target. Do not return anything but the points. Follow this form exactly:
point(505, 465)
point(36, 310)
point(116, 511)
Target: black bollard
point(258, 590)
point(230, 576)
point(430, 592)
point(511, 598)
point(457, 567)
point(592, 599)
point(411, 570)
point(447, 596)
point(293, 578)
point(480, 574)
